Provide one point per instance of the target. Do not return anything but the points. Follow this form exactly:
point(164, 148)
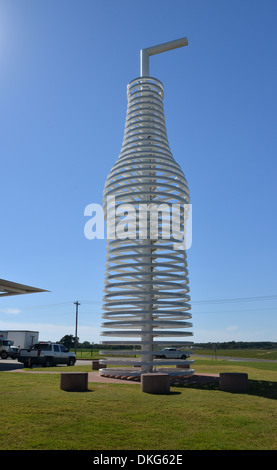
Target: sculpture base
point(120, 372)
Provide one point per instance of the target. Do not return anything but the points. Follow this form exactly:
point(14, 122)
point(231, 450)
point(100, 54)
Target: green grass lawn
point(270, 354)
point(87, 353)
point(36, 414)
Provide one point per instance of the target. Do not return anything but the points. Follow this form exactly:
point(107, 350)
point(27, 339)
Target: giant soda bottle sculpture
point(146, 301)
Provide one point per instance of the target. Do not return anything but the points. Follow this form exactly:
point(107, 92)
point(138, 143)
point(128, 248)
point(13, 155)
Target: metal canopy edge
point(12, 288)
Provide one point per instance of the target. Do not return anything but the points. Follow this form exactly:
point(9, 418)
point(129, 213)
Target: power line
point(194, 302)
point(239, 299)
point(213, 301)
point(41, 306)
point(194, 312)
point(236, 311)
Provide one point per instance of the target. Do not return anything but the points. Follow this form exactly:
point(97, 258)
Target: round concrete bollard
point(96, 365)
point(233, 381)
point(74, 381)
point(155, 383)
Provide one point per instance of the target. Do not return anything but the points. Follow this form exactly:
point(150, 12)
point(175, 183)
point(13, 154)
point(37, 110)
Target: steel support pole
point(166, 46)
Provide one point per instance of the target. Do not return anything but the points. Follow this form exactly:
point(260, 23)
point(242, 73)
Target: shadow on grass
point(259, 388)
point(263, 388)
point(78, 391)
point(8, 366)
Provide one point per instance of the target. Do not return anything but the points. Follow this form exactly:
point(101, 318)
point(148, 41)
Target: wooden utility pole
point(76, 325)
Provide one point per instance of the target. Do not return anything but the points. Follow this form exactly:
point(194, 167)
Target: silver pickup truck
point(46, 354)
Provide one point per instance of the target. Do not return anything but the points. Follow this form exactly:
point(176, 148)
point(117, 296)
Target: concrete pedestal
point(233, 382)
point(155, 383)
point(74, 381)
point(96, 365)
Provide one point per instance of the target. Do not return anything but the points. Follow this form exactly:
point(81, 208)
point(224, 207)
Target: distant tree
point(68, 341)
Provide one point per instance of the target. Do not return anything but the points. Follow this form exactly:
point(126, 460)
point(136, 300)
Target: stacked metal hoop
point(146, 292)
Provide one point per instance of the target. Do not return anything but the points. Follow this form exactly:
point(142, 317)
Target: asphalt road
point(9, 364)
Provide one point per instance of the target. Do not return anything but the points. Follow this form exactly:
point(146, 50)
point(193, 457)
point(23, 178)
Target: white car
point(171, 353)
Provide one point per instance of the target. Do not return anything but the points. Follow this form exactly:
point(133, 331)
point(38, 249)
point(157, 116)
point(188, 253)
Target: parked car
point(171, 353)
point(46, 354)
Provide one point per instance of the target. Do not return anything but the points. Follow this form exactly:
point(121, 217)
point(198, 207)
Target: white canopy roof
point(12, 288)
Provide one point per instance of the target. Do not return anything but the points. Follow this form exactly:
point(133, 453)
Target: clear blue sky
point(64, 68)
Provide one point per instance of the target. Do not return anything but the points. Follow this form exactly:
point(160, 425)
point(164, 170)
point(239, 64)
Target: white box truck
point(11, 341)
point(23, 339)
point(7, 349)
